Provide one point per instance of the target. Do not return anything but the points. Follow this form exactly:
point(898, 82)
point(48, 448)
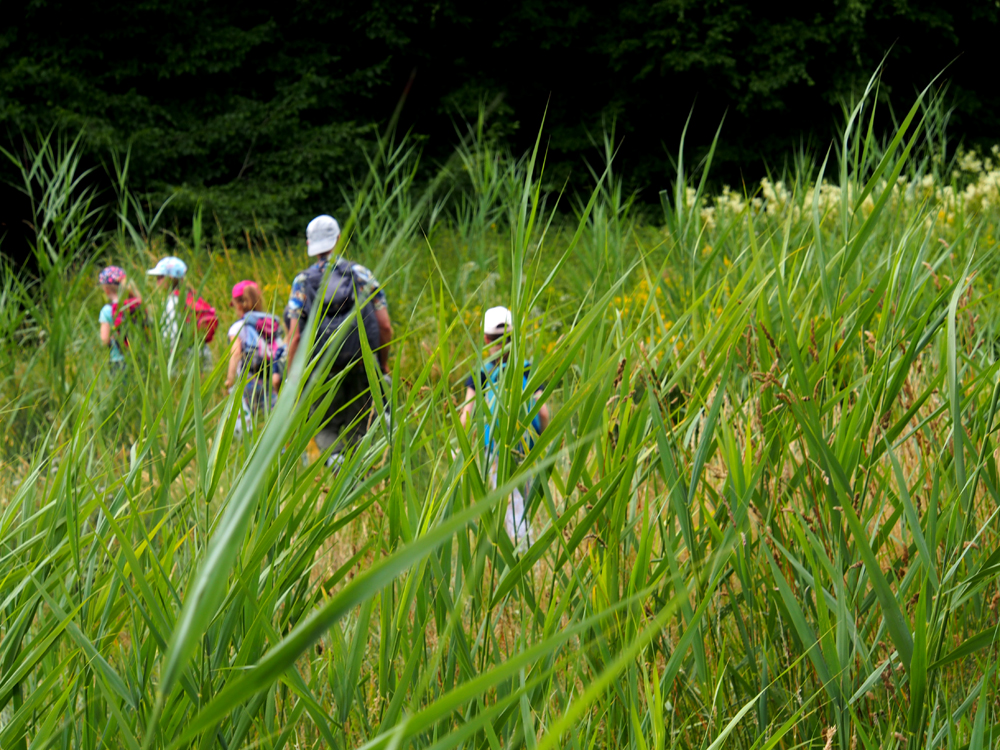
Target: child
point(246, 297)
point(498, 326)
point(116, 312)
point(257, 347)
point(170, 273)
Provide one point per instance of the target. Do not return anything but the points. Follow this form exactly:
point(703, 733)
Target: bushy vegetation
point(765, 510)
point(260, 109)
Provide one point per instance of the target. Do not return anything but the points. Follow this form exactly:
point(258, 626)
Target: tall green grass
point(764, 510)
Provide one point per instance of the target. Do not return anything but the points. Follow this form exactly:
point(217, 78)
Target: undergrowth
point(764, 512)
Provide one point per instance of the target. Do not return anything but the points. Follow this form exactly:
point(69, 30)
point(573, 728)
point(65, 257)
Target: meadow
point(764, 512)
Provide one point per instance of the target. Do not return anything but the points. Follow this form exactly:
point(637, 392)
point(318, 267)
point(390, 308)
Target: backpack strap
point(248, 331)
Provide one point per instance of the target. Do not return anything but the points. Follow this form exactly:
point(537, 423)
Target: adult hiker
point(257, 348)
point(333, 304)
point(498, 327)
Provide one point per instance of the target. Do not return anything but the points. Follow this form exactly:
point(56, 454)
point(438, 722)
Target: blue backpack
point(262, 341)
point(493, 373)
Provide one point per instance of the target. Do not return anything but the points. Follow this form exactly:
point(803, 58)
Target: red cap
point(241, 287)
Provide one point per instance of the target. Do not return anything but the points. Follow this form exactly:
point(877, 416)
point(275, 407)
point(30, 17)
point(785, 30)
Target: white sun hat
point(497, 320)
point(322, 235)
point(175, 268)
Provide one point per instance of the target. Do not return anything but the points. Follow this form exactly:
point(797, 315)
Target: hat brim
point(324, 246)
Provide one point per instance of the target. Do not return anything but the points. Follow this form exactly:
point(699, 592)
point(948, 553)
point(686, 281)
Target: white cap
point(170, 266)
point(322, 235)
point(497, 320)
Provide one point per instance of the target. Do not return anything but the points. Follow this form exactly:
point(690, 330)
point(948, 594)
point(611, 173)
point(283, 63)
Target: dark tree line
point(263, 108)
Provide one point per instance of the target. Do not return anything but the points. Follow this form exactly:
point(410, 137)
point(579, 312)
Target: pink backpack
point(261, 337)
point(204, 316)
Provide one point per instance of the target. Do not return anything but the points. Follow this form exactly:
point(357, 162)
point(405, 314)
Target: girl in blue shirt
point(114, 282)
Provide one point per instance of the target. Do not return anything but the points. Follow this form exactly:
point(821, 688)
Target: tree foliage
point(262, 110)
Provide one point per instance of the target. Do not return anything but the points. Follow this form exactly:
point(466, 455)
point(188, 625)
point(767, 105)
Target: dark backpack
point(127, 315)
point(261, 339)
point(335, 304)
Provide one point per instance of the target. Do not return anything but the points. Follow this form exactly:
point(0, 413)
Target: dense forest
point(264, 110)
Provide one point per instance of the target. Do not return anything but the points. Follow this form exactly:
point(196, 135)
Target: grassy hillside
point(765, 510)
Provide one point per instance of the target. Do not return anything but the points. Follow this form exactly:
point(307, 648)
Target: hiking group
point(344, 301)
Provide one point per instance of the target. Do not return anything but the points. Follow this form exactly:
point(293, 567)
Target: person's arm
point(235, 355)
point(106, 334)
point(369, 288)
point(384, 337)
point(293, 341)
point(294, 311)
point(278, 370)
point(543, 413)
point(468, 406)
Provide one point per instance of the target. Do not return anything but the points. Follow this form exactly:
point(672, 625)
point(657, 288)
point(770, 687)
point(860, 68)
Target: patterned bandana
point(111, 275)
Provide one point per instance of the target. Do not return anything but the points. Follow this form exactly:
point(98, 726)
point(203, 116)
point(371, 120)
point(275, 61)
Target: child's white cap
point(497, 320)
point(172, 267)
